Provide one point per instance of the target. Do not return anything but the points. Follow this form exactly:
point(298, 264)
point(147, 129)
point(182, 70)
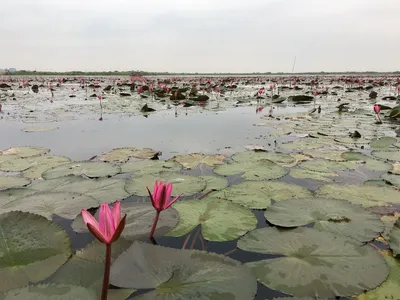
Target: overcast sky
point(200, 36)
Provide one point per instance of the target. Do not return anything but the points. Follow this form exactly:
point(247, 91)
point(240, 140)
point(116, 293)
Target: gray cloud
point(201, 36)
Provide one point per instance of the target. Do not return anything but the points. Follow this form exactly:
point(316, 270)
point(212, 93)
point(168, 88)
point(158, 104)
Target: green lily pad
point(192, 160)
point(31, 249)
point(215, 183)
point(177, 274)
point(151, 166)
point(50, 292)
point(330, 155)
point(186, 184)
point(389, 222)
point(313, 263)
point(281, 159)
point(391, 287)
point(259, 194)
point(393, 179)
point(255, 170)
point(66, 205)
point(39, 129)
point(10, 195)
point(25, 151)
point(215, 217)
point(394, 239)
point(86, 269)
point(139, 220)
point(4, 158)
point(364, 195)
point(389, 155)
point(353, 155)
point(88, 169)
point(351, 141)
point(369, 163)
point(22, 164)
point(375, 182)
point(327, 166)
point(7, 182)
point(301, 145)
point(307, 174)
point(102, 189)
point(383, 142)
point(121, 155)
point(336, 216)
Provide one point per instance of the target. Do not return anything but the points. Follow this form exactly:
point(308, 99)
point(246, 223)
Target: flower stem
point(153, 229)
point(106, 277)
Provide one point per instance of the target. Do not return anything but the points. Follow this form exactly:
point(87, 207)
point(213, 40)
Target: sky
point(200, 36)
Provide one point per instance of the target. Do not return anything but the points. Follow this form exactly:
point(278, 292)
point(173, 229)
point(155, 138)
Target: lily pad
point(25, 151)
point(307, 174)
point(43, 162)
point(330, 155)
point(389, 221)
point(393, 179)
point(4, 158)
point(86, 269)
point(351, 141)
point(215, 217)
point(389, 155)
point(7, 182)
point(39, 129)
point(383, 142)
point(259, 194)
point(88, 169)
point(336, 216)
point(121, 155)
point(391, 287)
point(151, 166)
point(364, 195)
point(254, 170)
point(281, 159)
point(101, 189)
point(50, 292)
point(327, 166)
point(139, 220)
point(313, 263)
point(66, 205)
point(215, 183)
point(177, 274)
point(10, 195)
point(186, 184)
point(31, 249)
point(192, 160)
point(394, 239)
point(369, 163)
point(302, 145)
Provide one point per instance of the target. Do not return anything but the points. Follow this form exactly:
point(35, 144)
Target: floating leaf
point(191, 161)
point(186, 184)
point(88, 169)
point(301, 145)
point(66, 205)
point(86, 269)
point(4, 158)
point(383, 142)
point(22, 164)
point(308, 262)
point(215, 183)
point(336, 216)
point(364, 195)
point(177, 274)
point(50, 292)
point(256, 170)
point(259, 194)
point(327, 166)
point(39, 129)
point(307, 174)
point(389, 222)
point(330, 155)
point(394, 239)
point(10, 195)
point(391, 287)
point(220, 220)
point(31, 249)
point(281, 159)
point(351, 141)
point(371, 164)
point(8, 182)
point(393, 179)
point(25, 151)
point(151, 166)
point(121, 155)
point(389, 155)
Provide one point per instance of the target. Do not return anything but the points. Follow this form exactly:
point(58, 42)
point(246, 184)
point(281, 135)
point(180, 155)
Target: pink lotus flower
point(315, 93)
point(377, 108)
point(161, 200)
point(110, 225)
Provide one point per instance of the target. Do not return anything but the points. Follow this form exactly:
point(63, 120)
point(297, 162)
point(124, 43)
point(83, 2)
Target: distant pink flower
point(100, 97)
point(377, 108)
point(315, 93)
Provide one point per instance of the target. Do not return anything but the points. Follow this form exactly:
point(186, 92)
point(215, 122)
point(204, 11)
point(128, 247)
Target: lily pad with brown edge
point(382, 142)
point(364, 195)
point(391, 287)
point(252, 170)
point(181, 274)
point(86, 269)
point(310, 263)
point(336, 216)
point(121, 155)
point(395, 168)
point(46, 204)
point(84, 168)
point(139, 220)
point(151, 166)
point(102, 189)
point(25, 151)
point(192, 160)
point(8, 182)
point(215, 183)
point(50, 292)
point(31, 249)
point(389, 155)
point(215, 217)
point(259, 194)
point(327, 166)
point(43, 162)
point(394, 239)
point(181, 183)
